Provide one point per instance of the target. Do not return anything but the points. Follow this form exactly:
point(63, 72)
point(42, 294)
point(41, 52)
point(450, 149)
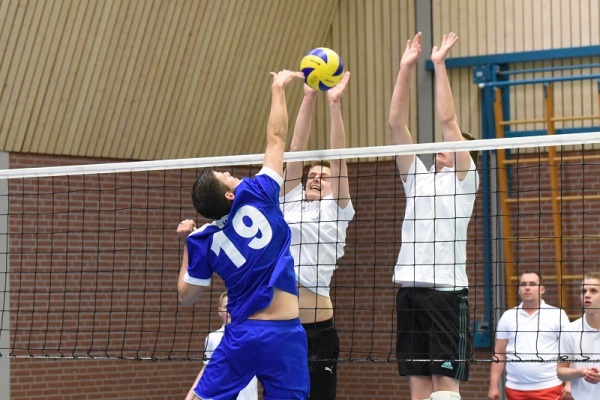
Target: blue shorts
point(273, 351)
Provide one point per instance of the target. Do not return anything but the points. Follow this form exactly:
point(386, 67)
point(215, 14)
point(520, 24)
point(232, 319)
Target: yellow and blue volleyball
point(323, 68)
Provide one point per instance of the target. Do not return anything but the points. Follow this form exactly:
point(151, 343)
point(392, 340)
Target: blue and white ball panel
point(323, 68)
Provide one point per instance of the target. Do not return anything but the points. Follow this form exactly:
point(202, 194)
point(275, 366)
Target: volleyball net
point(90, 256)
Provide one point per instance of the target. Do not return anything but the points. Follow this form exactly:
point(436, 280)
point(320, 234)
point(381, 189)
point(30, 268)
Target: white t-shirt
point(531, 337)
point(580, 342)
point(213, 339)
point(434, 232)
point(318, 237)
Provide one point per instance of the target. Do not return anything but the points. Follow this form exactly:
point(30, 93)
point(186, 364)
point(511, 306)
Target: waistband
point(269, 322)
point(456, 290)
point(319, 325)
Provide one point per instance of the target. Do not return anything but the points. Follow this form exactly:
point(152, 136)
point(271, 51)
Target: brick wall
point(68, 298)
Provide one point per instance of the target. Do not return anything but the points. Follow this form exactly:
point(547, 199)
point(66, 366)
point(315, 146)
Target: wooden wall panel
point(148, 79)
point(371, 38)
point(506, 26)
point(158, 79)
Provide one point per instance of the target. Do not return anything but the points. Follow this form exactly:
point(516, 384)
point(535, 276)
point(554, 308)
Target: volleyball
point(323, 68)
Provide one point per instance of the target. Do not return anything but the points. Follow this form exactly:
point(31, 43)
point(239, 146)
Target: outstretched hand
point(439, 54)
point(334, 94)
point(284, 77)
point(412, 51)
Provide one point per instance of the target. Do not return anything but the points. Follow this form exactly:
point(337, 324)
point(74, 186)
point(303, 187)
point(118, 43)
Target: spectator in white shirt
point(526, 340)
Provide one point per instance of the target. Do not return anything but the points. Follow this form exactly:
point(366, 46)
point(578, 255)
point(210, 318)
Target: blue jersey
point(249, 249)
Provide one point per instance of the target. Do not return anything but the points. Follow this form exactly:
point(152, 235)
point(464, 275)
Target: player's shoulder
point(417, 167)
point(265, 181)
point(510, 312)
point(215, 335)
point(508, 317)
point(266, 172)
point(575, 326)
point(208, 228)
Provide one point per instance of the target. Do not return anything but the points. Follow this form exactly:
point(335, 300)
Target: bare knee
point(421, 387)
point(445, 383)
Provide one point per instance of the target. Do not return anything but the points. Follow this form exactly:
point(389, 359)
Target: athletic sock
point(445, 395)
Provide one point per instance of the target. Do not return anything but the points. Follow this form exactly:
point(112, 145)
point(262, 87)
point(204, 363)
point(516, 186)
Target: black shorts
point(433, 336)
point(323, 352)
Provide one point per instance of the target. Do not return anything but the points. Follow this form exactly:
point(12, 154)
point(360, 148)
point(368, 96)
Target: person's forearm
point(337, 138)
point(303, 124)
point(399, 107)
point(278, 117)
point(183, 268)
point(443, 93)
point(496, 371)
point(339, 171)
point(568, 374)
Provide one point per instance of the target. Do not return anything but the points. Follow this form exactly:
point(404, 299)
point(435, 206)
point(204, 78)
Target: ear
point(229, 196)
point(542, 289)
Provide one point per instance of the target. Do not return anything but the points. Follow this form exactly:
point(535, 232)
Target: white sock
point(445, 395)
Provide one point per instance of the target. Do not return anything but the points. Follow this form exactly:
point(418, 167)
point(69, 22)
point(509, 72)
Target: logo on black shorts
point(447, 365)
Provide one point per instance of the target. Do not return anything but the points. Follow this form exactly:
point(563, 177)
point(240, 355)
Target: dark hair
point(208, 195)
point(530, 271)
point(474, 153)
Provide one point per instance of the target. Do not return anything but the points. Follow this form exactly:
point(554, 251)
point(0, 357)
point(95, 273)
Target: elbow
point(393, 124)
point(447, 119)
point(185, 300)
point(295, 147)
point(278, 136)
point(396, 123)
point(398, 133)
point(276, 143)
point(562, 373)
point(449, 122)
point(185, 295)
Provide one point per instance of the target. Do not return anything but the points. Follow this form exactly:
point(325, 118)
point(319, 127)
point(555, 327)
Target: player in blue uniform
point(248, 246)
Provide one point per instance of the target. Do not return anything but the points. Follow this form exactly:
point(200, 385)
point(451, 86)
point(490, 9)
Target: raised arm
point(277, 125)
point(399, 106)
point(340, 190)
point(445, 103)
point(294, 170)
